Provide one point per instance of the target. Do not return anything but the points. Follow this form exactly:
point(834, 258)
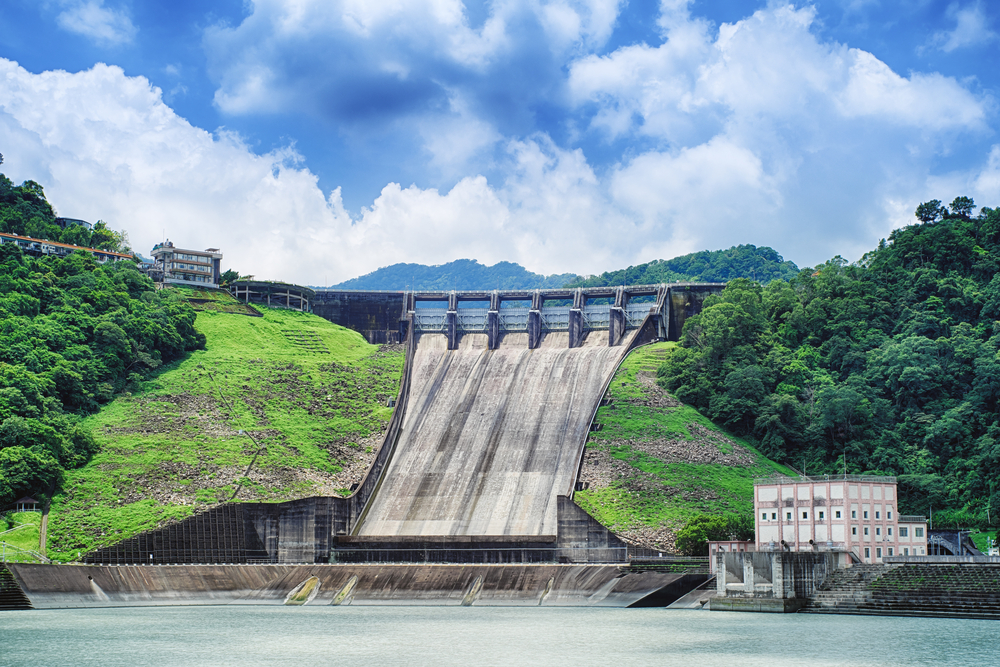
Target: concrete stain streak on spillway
point(491, 437)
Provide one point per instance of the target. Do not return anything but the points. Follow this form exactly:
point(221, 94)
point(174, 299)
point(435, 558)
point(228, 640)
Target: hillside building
point(68, 222)
point(856, 514)
point(40, 247)
point(200, 268)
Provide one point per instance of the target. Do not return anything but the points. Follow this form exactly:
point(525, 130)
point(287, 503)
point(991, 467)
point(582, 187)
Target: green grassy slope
point(20, 530)
point(656, 462)
point(311, 393)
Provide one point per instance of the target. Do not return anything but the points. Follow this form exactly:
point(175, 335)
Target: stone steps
point(11, 595)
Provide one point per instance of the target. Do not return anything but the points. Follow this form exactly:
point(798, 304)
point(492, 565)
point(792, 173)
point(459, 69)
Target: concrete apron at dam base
point(77, 586)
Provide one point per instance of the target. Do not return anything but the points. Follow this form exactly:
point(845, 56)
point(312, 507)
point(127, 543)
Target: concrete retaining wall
point(66, 586)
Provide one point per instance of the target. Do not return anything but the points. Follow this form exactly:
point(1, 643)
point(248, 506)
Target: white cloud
point(307, 54)
point(775, 137)
point(753, 132)
point(90, 18)
point(971, 28)
point(689, 196)
point(105, 146)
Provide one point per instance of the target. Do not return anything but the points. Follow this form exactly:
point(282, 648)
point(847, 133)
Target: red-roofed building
point(40, 247)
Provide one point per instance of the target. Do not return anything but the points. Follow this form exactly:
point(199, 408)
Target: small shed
point(26, 504)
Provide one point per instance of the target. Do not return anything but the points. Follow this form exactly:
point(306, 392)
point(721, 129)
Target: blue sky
point(316, 140)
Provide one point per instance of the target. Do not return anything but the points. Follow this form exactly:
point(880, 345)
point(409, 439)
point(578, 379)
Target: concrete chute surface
point(491, 437)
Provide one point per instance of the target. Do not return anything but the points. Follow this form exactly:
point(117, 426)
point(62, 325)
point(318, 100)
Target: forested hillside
point(743, 261)
point(72, 335)
point(715, 266)
point(889, 365)
point(462, 274)
point(25, 211)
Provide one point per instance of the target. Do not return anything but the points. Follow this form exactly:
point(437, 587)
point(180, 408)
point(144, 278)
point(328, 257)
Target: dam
point(478, 468)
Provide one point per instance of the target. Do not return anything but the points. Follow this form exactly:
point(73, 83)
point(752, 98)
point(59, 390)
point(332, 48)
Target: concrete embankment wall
point(66, 586)
point(491, 438)
point(940, 589)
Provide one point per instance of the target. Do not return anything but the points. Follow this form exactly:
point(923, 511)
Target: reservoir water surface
point(445, 636)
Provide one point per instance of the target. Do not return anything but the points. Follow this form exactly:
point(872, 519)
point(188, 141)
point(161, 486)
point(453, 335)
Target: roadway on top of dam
point(545, 294)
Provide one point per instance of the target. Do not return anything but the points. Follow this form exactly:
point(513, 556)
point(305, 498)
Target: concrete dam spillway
point(481, 455)
point(469, 497)
point(491, 438)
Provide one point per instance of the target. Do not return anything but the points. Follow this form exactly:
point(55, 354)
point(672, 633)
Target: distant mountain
point(462, 274)
point(743, 261)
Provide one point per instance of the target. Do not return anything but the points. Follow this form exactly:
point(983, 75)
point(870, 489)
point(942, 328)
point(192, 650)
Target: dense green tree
point(930, 211)
point(962, 206)
point(743, 261)
point(72, 334)
point(693, 538)
point(891, 363)
point(227, 277)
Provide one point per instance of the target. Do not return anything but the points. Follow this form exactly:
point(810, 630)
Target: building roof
point(168, 246)
point(65, 245)
point(27, 500)
point(782, 479)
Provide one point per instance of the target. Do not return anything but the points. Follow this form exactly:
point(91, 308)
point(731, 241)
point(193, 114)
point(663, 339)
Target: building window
point(888, 514)
point(763, 516)
point(906, 551)
point(921, 551)
point(866, 514)
point(788, 516)
point(805, 515)
point(821, 516)
point(918, 532)
point(836, 514)
point(868, 552)
point(774, 516)
point(890, 551)
point(866, 530)
point(876, 514)
point(878, 552)
point(878, 530)
point(854, 530)
point(889, 531)
point(904, 531)
point(854, 514)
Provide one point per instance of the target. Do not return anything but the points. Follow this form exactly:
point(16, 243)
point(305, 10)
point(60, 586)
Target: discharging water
point(446, 636)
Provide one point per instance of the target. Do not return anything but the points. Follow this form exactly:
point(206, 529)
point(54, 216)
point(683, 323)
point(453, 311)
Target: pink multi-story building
point(852, 513)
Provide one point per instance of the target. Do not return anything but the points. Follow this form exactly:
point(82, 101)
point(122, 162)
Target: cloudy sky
point(317, 140)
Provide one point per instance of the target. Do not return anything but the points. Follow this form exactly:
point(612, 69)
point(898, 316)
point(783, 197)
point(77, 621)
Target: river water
point(445, 636)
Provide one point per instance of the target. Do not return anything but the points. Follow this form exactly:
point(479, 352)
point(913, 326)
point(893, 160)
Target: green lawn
point(20, 530)
point(312, 394)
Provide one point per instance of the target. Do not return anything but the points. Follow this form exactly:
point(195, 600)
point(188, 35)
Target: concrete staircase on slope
point(653, 359)
point(11, 595)
point(306, 340)
point(936, 590)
